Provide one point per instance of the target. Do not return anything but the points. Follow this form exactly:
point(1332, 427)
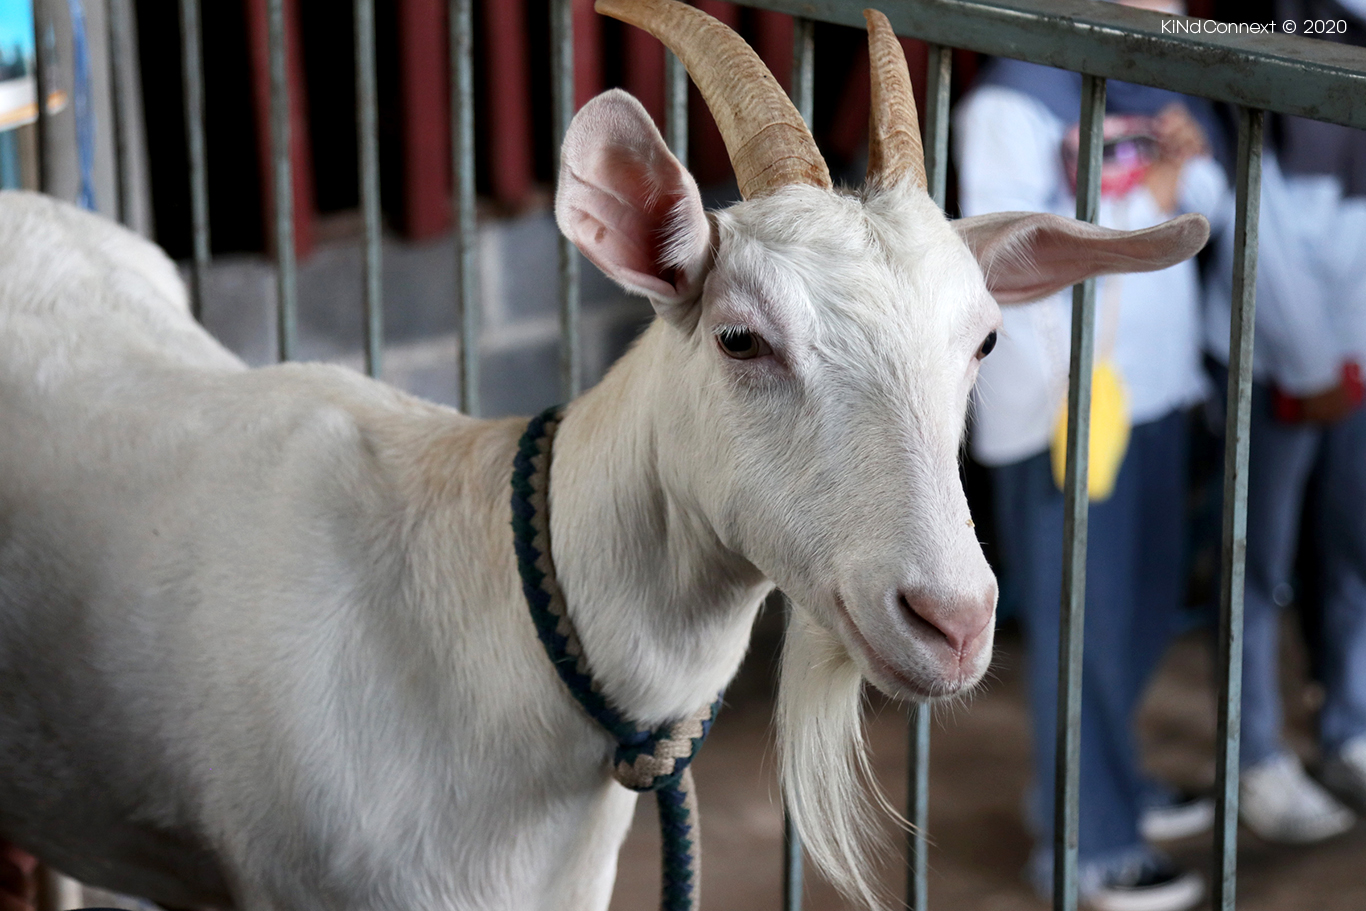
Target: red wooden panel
point(965, 66)
point(424, 90)
point(849, 128)
point(707, 151)
point(643, 58)
point(258, 30)
point(917, 61)
point(773, 40)
point(511, 166)
point(587, 52)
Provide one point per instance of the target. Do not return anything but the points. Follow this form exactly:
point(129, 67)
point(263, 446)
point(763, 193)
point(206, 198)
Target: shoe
point(1180, 814)
point(1155, 884)
point(1345, 773)
point(1279, 802)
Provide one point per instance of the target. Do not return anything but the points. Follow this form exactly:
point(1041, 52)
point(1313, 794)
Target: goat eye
point(987, 345)
point(741, 344)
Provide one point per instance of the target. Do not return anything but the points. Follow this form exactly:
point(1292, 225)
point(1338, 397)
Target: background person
point(1307, 447)
point(1012, 138)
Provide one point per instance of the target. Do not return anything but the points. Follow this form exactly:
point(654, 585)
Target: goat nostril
point(960, 621)
point(921, 611)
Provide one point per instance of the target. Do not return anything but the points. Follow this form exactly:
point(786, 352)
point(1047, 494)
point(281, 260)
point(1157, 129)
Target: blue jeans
point(1288, 465)
point(1135, 583)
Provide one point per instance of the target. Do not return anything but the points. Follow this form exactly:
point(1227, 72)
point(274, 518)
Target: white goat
point(262, 639)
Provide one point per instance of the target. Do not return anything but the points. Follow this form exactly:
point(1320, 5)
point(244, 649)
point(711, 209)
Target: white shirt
point(1311, 282)
point(1008, 148)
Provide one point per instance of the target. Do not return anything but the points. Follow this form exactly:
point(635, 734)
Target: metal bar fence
point(117, 15)
point(282, 174)
point(1234, 549)
point(562, 69)
point(1256, 72)
point(462, 163)
point(41, 89)
point(803, 92)
point(676, 106)
point(192, 80)
point(1076, 495)
point(367, 140)
point(939, 71)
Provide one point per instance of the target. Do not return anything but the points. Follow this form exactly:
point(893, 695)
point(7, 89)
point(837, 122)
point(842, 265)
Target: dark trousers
point(1134, 591)
point(1289, 464)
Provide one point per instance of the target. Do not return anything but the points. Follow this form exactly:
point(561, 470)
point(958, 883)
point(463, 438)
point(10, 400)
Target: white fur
point(262, 640)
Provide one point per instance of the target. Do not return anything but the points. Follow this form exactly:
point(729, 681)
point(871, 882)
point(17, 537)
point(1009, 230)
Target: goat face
point(813, 404)
point(826, 347)
point(832, 351)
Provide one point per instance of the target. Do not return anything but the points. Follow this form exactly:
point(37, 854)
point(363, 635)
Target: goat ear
point(628, 204)
point(1029, 255)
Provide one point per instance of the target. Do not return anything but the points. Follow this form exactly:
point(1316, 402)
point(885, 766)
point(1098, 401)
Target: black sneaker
point(1154, 885)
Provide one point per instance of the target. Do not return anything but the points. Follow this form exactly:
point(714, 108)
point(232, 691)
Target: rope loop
point(646, 759)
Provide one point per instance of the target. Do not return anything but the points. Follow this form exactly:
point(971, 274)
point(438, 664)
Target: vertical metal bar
point(939, 76)
point(43, 126)
point(1234, 550)
point(803, 97)
point(939, 73)
point(804, 67)
point(367, 139)
point(918, 811)
point(118, 36)
point(792, 866)
point(285, 278)
point(1077, 500)
point(562, 75)
point(192, 82)
point(676, 106)
point(462, 164)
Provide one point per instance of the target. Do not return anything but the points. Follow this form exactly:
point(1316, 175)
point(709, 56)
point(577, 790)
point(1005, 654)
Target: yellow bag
point(1109, 433)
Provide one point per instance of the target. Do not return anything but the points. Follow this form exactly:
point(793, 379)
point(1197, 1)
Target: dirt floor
point(979, 767)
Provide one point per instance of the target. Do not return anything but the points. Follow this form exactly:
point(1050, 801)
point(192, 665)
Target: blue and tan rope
point(646, 759)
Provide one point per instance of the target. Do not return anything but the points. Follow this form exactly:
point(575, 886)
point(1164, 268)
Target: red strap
point(1352, 382)
point(1287, 408)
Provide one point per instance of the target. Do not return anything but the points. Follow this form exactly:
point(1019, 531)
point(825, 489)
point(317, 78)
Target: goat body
point(364, 717)
point(262, 638)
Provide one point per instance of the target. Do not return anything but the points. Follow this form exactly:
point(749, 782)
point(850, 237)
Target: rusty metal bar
point(676, 106)
point(43, 125)
point(286, 278)
point(367, 140)
point(462, 167)
point(192, 81)
point(1067, 780)
point(562, 91)
point(1234, 557)
point(116, 17)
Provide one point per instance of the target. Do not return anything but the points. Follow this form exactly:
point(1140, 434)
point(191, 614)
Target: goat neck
point(662, 605)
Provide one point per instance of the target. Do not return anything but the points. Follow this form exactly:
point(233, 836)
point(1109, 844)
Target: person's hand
point(18, 879)
point(1179, 139)
point(1326, 407)
point(1179, 135)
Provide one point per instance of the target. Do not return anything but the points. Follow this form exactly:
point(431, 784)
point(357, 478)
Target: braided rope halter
point(646, 759)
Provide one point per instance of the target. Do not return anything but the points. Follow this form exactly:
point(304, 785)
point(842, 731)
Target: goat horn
point(894, 147)
point(769, 143)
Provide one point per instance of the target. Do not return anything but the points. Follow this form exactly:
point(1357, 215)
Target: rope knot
point(659, 758)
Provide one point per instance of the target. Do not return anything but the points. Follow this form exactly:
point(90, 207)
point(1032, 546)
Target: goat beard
point(827, 782)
